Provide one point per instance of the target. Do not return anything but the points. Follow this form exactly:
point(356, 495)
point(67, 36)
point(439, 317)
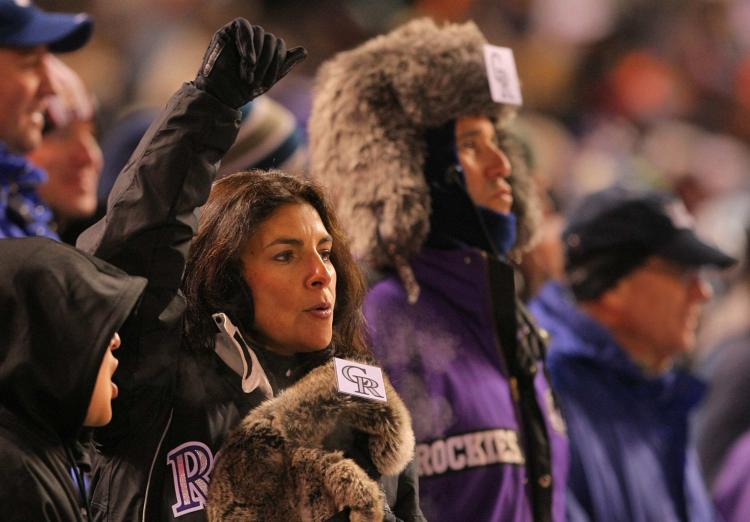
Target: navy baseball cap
point(24, 25)
point(614, 231)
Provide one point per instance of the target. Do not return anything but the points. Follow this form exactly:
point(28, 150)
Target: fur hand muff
point(275, 466)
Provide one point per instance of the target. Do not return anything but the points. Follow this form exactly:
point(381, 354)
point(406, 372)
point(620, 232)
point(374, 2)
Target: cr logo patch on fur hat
point(359, 379)
point(502, 75)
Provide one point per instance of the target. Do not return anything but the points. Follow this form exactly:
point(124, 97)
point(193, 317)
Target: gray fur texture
point(371, 107)
point(274, 467)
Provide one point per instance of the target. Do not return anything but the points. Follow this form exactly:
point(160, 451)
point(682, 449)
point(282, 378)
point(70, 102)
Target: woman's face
point(287, 264)
point(485, 165)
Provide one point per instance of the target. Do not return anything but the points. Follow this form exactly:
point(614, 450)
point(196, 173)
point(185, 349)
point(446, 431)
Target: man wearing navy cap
point(628, 310)
point(27, 36)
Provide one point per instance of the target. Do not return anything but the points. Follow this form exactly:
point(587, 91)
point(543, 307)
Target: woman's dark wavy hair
point(238, 205)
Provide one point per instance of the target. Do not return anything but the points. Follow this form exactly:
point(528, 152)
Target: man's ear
point(614, 300)
point(608, 308)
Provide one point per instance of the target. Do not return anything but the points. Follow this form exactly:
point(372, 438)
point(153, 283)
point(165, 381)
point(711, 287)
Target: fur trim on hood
point(279, 464)
point(371, 108)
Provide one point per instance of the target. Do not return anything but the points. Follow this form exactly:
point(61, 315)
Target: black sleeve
point(147, 230)
point(150, 212)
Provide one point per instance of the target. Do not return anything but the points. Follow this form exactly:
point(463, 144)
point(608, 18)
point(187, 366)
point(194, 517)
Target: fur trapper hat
point(279, 464)
point(371, 108)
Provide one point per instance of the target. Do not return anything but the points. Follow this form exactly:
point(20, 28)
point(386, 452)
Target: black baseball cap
point(22, 24)
point(612, 232)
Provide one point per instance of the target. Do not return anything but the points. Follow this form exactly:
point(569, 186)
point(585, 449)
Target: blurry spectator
point(27, 36)
point(634, 293)
point(698, 165)
point(69, 153)
point(269, 138)
point(548, 151)
point(732, 490)
point(724, 417)
point(544, 261)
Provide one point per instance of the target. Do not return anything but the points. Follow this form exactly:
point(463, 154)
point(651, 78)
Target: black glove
point(243, 61)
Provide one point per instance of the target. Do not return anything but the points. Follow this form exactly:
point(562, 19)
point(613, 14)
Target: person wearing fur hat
point(255, 297)
point(414, 149)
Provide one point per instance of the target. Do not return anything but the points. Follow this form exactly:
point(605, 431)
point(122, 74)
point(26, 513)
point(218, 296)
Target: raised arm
point(151, 216)
point(149, 220)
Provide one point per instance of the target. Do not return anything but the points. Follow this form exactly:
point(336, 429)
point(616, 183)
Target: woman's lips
point(322, 311)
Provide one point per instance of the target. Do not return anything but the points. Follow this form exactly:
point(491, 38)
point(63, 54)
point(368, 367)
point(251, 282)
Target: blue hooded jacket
point(631, 458)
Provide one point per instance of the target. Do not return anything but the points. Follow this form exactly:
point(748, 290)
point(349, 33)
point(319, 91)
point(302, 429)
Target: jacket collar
point(458, 275)
point(285, 370)
point(579, 336)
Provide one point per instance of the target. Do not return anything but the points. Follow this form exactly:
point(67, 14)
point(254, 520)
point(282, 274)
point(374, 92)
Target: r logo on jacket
point(191, 464)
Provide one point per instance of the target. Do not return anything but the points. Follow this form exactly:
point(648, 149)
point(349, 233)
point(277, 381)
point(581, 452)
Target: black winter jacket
point(58, 312)
point(177, 407)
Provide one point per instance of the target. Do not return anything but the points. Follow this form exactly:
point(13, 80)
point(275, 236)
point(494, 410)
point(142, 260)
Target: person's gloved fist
point(243, 61)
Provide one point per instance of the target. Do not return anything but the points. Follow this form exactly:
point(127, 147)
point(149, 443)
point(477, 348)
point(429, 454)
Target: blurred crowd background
point(634, 92)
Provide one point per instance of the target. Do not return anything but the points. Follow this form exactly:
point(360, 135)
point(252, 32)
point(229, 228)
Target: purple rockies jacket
point(468, 361)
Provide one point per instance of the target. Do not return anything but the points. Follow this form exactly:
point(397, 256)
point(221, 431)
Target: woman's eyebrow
point(296, 242)
point(285, 241)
